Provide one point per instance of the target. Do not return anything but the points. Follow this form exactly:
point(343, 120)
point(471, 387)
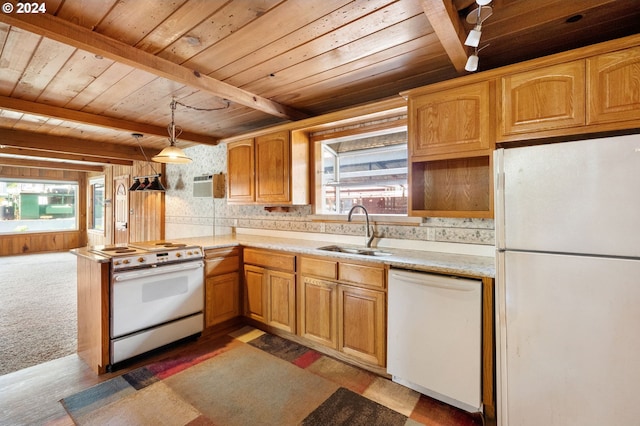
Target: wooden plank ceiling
point(78, 80)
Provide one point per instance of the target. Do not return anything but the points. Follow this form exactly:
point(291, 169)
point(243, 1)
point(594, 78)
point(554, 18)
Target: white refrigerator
point(568, 283)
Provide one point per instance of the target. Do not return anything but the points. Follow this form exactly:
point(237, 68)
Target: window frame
point(358, 132)
point(93, 182)
point(61, 182)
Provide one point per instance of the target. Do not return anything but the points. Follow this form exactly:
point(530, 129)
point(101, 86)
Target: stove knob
point(116, 263)
point(189, 253)
point(126, 261)
point(141, 260)
point(178, 254)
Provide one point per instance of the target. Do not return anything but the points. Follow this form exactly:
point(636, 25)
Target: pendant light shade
point(472, 63)
point(155, 185)
point(136, 184)
point(172, 154)
point(473, 39)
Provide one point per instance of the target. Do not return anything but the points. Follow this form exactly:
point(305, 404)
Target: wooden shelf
point(454, 187)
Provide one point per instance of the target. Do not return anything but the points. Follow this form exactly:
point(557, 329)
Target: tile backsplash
point(187, 216)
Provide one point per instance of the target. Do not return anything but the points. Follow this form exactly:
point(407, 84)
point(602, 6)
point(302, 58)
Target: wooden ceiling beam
point(63, 31)
point(58, 165)
point(449, 29)
point(4, 150)
point(50, 143)
point(35, 108)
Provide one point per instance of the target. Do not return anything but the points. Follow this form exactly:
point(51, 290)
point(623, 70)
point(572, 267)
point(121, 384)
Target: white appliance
point(568, 283)
point(203, 186)
point(156, 296)
point(434, 336)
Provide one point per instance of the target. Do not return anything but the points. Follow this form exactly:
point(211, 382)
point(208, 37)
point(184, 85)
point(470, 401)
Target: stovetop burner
point(118, 250)
point(115, 250)
point(170, 245)
point(147, 254)
point(161, 245)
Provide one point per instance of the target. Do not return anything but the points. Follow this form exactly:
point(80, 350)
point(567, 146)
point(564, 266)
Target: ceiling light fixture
point(172, 154)
point(476, 17)
point(473, 39)
point(472, 61)
point(146, 184)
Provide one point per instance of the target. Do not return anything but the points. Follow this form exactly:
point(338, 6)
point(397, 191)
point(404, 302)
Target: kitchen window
point(37, 206)
point(368, 169)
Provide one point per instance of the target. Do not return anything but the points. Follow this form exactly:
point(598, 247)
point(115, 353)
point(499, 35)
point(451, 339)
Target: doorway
point(121, 210)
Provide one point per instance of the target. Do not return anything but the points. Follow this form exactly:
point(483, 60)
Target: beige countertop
point(418, 260)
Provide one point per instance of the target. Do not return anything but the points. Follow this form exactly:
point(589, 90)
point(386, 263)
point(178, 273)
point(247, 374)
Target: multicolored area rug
point(255, 378)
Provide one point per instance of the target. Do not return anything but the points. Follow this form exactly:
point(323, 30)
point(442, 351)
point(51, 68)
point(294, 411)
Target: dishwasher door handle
point(451, 283)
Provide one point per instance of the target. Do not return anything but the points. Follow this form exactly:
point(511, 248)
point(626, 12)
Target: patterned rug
point(254, 378)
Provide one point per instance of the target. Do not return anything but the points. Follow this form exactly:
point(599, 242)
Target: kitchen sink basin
point(355, 250)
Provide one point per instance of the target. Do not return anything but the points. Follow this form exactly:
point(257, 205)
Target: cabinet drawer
point(221, 252)
point(319, 267)
point(221, 265)
point(269, 259)
point(366, 276)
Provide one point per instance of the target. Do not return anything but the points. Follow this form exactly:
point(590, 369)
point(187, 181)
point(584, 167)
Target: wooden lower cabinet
point(255, 290)
point(362, 324)
point(342, 305)
point(222, 285)
point(281, 300)
point(318, 311)
point(270, 294)
point(222, 294)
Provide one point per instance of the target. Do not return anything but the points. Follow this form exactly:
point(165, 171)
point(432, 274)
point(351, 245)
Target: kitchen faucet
point(368, 233)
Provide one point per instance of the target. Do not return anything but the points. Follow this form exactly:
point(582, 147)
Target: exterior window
point(37, 206)
point(96, 197)
point(368, 169)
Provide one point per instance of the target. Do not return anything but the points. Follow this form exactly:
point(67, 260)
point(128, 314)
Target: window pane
point(370, 170)
point(31, 206)
point(97, 195)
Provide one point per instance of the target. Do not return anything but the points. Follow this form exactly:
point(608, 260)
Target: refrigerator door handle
point(499, 206)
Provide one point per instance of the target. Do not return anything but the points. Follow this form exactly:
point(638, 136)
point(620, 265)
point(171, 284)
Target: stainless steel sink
point(355, 250)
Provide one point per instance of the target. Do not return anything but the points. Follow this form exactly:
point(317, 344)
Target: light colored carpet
point(38, 309)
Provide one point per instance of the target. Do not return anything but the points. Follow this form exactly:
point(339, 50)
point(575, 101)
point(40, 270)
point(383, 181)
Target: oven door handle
point(158, 270)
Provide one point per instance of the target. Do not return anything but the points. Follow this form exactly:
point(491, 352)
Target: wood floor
point(31, 396)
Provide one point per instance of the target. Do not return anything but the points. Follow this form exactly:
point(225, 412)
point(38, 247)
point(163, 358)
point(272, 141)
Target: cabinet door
point(614, 86)
point(222, 295)
point(362, 324)
point(543, 99)
point(281, 296)
point(319, 311)
point(273, 168)
point(255, 304)
point(240, 170)
point(450, 121)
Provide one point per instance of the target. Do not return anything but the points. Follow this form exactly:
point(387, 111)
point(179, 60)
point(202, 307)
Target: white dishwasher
point(434, 337)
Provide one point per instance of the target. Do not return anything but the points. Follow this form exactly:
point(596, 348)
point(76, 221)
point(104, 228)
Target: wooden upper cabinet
point(273, 167)
point(450, 121)
point(542, 100)
point(270, 169)
point(240, 169)
point(614, 87)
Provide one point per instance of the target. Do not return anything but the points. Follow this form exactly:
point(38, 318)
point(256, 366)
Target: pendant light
point(476, 17)
point(172, 154)
point(146, 185)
